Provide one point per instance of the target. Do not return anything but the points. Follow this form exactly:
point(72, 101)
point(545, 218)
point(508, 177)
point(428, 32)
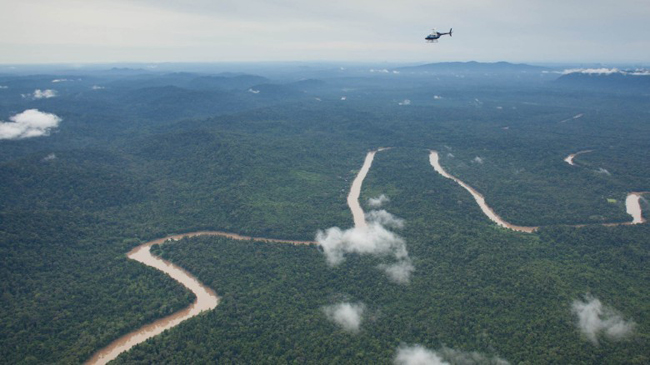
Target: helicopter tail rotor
point(450, 31)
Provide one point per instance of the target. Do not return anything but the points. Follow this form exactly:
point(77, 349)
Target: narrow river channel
point(434, 159)
point(206, 298)
point(632, 202)
point(355, 190)
point(569, 158)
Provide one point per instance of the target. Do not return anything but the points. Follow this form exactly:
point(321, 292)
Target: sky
point(541, 31)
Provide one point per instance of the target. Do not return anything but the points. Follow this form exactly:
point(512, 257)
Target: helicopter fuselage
point(434, 36)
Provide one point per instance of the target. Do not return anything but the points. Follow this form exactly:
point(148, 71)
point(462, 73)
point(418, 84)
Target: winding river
point(206, 298)
point(569, 158)
point(434, 159)
point(578, 116)
point(355, 190)
point(632, 202)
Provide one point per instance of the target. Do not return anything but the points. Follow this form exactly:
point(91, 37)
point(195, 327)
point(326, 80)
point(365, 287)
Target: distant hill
point(308, 84)
point(471, 67)
point(296, 89)
point(276, 91)
point(237, 82)
point(189, 80)
point(126, 71)
point(612, 79)
point(172, 102)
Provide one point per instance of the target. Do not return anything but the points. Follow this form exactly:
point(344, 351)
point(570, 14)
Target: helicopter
point(434, 36)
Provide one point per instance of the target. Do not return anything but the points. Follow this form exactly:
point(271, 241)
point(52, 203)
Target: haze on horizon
point(90, 31)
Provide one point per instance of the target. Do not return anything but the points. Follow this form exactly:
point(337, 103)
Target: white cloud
point(4, 87)
point(49, 157)
point(41, 94)
point(639, 72)
point(469, 358)
point(201, 30)
point(385, 219)
point(96, 87)
point(44, 94)
point(596, 320)
point(607, 71)
point(419, 355)
point(405, 102)
point(346, 315)
point(375, 239)
point(60, 80)
point(593, 71)
point(252, 91)
point(344, 97)
point(30, 123)
point(399, 272)
point(378, 201)
point(437, 97)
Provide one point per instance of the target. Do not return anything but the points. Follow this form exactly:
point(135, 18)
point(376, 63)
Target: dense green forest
point(140, 155)
point(475, 288)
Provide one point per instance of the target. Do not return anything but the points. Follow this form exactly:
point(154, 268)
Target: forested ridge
point(149, 155)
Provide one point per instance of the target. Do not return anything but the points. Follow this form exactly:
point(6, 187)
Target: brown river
point(206, 298)
point(434, 159)
point(355, 190)
point(569, 158)
point(632, 202)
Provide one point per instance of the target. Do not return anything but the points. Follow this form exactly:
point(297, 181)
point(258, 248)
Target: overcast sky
point(74, 31)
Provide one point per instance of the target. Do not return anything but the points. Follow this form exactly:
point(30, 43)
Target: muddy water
point(632, 204)
point(569, 158)
point(355, 191)
point(435, 162)
point(633, 207)
point(206, 298)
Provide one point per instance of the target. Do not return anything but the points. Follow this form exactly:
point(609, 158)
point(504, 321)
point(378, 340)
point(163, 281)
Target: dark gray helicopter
point(434, 36)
